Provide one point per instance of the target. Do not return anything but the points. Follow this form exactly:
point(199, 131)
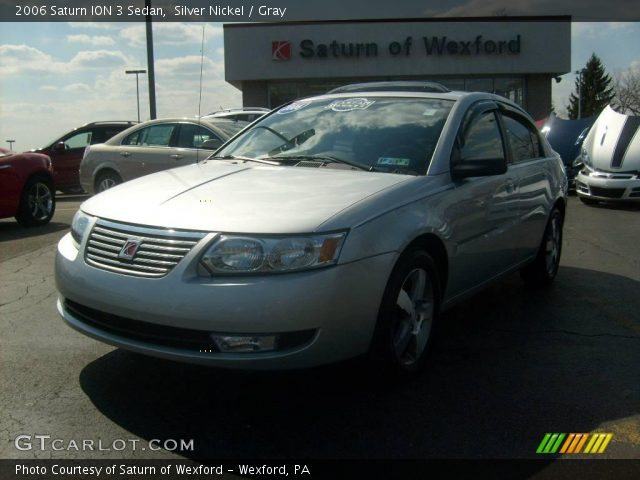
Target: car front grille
point(158, 252)
point(607, 192)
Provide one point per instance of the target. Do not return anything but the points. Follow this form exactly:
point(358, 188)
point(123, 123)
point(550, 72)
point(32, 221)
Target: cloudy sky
point(57, 76)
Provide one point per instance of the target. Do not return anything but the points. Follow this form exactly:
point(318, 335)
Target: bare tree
point(627, 88)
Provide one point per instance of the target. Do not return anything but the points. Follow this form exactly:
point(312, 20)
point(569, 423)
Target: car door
point(146, 150)
point(10, 186)
point(532, 172)
point(484, 210)
point(193, 142)
point(66, 155)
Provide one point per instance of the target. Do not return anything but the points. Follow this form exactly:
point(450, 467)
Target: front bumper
point(332, 311)
point(608, 186)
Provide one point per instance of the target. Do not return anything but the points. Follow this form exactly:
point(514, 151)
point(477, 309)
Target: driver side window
point(482, 140)
point(79, 140)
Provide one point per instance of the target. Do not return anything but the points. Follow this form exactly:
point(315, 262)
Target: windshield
point(396, 135)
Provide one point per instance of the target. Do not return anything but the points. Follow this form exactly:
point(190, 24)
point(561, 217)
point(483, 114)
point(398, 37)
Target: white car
point(336, 226)
point(611, 159)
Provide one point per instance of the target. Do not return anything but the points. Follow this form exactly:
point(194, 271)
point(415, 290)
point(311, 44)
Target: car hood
point(221, 196)
point(613, 143)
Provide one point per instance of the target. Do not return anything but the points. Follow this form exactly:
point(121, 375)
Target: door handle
point(4, 167)
point(510, 186)
point(125, 154)
point(176, 156)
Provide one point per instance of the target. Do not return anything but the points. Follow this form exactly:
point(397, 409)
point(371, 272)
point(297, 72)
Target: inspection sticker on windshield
point(395, 161)
point(430, 112)
point(349, 104)
point(292, 107)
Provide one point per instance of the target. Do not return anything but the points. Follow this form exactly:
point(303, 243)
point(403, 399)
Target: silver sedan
point(151, 147)
point(336, 226)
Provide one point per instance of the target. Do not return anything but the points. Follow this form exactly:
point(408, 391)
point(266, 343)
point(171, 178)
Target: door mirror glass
point(211, 144)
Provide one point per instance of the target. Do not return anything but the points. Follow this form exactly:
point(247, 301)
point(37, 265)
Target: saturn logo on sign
point(281, 50)
point(129, 249)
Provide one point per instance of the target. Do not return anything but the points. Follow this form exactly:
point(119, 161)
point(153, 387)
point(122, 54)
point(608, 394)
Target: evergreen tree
point(596, 90)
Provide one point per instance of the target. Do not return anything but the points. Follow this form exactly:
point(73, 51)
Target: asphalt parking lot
point(510, 365)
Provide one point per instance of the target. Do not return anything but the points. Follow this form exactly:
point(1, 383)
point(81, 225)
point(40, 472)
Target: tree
point(627, 86)
point(595, 89)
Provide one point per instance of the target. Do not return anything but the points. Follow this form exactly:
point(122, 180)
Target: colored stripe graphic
point(551, 443)
point(629, 129)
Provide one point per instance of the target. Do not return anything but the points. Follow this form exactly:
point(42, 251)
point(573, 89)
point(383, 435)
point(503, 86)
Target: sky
point(58, 76)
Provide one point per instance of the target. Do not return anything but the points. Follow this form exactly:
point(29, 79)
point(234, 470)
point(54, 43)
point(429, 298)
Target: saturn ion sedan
point(336, 226)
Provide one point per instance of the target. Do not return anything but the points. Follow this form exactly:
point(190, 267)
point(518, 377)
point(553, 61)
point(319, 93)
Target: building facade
point(273, 63)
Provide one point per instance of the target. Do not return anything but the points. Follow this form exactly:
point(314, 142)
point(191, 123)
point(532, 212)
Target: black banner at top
point(295, 10)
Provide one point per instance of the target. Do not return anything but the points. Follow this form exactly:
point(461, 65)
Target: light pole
point(136, 73)
point(579, 73)
point(10, 142)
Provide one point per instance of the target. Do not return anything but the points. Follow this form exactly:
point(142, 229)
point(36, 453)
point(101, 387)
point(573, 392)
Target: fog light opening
point(245, 343)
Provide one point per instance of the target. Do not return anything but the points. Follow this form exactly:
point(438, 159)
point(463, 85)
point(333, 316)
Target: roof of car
point(392, 86)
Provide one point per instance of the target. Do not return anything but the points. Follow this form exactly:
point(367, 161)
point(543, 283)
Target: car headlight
point(247, 254)
point(79, 226)
point(586, 159)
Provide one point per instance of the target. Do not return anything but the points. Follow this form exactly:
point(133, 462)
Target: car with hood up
point(336, 226)
point(566, 137)
point(610, 160)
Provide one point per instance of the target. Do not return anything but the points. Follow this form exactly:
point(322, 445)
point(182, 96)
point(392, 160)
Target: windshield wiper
point(244, 159)
point(329, 158)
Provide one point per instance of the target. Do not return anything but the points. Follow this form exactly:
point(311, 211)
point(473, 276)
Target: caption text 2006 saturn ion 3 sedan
point(334, 227)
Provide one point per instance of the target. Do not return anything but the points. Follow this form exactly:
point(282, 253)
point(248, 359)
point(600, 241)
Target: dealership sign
point(442, 45)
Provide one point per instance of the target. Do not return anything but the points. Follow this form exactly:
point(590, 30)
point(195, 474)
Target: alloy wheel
point(40, 201)
point(415, 312)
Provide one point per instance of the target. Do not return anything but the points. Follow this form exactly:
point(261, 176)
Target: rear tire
point(407, 318)
point(37, 202)
point(544, 268)
point(107, 180)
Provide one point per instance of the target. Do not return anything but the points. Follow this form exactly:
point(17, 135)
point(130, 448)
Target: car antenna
point(200, 93)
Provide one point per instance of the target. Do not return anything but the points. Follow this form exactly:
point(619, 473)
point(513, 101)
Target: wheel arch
point(435, 247)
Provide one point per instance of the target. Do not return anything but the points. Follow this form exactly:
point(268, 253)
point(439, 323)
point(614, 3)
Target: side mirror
point(211, 144)
point(59, 147)
point(479, 168)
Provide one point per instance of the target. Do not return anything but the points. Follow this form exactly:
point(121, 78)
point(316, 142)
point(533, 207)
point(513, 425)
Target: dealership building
point(519, 58)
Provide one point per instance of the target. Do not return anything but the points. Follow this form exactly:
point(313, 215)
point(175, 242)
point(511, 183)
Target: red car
point(27, 190)
point(66, 152)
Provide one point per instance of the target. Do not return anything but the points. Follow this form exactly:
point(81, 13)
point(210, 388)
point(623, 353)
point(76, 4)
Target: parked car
point(566, 137)
point(244, 114)
point(26, 187)
point(610, 160)
point(151, 147)
point(336, 226)
point(66, 151)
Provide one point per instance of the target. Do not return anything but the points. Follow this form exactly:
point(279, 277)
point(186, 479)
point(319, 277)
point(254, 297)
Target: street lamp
point(136, 73)
point(579, 73)
point(10, 142)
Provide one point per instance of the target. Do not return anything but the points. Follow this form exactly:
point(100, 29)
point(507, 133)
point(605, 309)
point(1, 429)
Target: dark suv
point(67, 151)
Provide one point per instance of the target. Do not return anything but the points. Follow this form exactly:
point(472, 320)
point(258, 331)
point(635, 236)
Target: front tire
point(407, 317)
point(544, 268)
point(37, 202)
